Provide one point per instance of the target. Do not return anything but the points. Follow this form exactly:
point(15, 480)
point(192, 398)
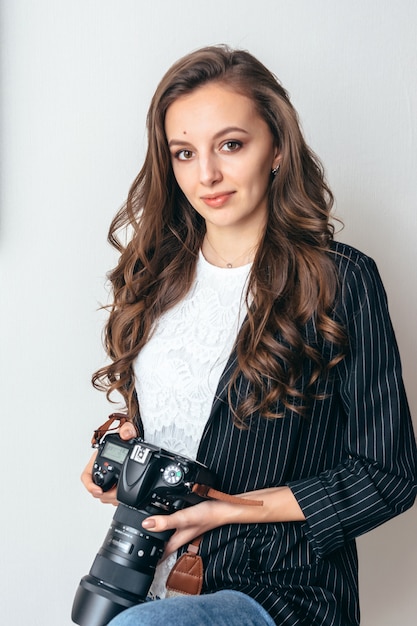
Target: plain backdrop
point(76, 80)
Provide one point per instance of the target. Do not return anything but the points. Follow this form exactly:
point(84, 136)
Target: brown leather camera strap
point(107, 427)
point(212, 494)
point(186, 576)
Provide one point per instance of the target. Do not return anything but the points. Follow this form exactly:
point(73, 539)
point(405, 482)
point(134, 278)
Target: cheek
point(259, 182)
point(184, 178)
point(258, 173)
point(179, 179)
point(185, 185)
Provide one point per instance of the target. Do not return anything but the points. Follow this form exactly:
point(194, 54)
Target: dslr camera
point(150, 480)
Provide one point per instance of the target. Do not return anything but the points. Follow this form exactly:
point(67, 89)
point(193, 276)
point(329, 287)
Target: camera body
point(148, 477)
point(109, 461)
point(150, 480)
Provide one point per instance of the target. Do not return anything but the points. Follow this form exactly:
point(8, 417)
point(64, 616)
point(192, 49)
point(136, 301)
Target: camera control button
point(98, 478)
point(172, 474)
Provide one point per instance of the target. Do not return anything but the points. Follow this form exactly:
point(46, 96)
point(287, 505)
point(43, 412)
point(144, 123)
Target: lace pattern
point(178, 370)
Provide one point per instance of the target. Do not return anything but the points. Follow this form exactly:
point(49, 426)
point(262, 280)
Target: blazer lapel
point(221, 392)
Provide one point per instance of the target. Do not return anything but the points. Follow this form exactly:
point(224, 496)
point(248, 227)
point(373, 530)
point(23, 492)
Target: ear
point(277, 158)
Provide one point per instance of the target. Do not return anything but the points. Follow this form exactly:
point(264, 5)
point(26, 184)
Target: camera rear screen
point(114, 453)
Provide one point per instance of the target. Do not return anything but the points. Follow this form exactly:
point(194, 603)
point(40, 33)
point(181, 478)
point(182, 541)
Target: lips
point(218, 199)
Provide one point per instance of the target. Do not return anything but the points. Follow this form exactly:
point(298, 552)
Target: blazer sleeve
point(377, 478)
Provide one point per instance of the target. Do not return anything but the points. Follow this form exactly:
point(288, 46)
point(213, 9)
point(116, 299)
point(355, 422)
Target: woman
point(241, 334)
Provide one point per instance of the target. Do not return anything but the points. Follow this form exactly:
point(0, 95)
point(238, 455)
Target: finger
point(159, 523)
point(127, 431)
point(108, 497)
point(178, 540)
point(86, 476)
point(199, 516)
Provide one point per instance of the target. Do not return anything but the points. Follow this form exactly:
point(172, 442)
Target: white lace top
point(178, 370)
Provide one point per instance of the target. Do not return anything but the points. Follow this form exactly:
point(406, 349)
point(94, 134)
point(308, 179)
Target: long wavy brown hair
point(292, 280)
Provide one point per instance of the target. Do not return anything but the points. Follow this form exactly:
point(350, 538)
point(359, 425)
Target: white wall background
point(76, 79)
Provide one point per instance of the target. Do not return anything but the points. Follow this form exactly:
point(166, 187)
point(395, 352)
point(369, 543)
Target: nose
point(210, 172)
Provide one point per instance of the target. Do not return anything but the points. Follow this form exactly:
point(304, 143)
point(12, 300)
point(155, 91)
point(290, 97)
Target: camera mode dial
point(172, 474)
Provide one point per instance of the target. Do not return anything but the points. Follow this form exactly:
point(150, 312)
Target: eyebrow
point(224, 131)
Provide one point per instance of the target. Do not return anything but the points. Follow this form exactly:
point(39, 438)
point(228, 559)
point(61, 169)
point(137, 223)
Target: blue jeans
point(223, 608)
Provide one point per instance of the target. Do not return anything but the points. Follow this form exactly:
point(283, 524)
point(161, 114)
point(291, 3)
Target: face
point(222, 155)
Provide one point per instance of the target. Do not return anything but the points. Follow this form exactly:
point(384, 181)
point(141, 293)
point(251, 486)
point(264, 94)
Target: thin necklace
point(231, 263)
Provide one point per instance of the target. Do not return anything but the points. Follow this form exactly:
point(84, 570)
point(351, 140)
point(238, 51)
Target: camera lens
point(151, 481)
point(122, 571)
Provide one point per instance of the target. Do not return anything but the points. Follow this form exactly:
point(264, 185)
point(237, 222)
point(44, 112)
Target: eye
point(231, 146)
point(184, 155)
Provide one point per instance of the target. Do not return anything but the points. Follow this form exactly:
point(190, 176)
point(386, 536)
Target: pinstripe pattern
point(351, 466)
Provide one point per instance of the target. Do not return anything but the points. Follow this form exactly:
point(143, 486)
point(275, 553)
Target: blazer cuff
point(322, 525)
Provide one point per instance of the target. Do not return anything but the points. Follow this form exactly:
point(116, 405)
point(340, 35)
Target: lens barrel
point(95, 603)
point(122, 571)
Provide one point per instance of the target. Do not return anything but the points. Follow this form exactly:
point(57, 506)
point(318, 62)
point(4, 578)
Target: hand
point(278, 505)
point(190, 522)
point(126, 432)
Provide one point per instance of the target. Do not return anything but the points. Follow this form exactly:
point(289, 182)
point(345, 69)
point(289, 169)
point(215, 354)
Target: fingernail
point(148, 523)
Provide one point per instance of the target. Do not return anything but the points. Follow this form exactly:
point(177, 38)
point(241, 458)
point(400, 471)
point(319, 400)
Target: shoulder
point(349, 259)
point(352, 264)
point(359, 278)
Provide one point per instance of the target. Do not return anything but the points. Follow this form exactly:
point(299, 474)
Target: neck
point(229, 252)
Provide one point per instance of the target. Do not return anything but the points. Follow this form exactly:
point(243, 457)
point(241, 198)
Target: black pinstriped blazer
point(351, 465)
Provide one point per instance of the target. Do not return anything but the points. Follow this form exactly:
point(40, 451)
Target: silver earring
point(275, 170)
